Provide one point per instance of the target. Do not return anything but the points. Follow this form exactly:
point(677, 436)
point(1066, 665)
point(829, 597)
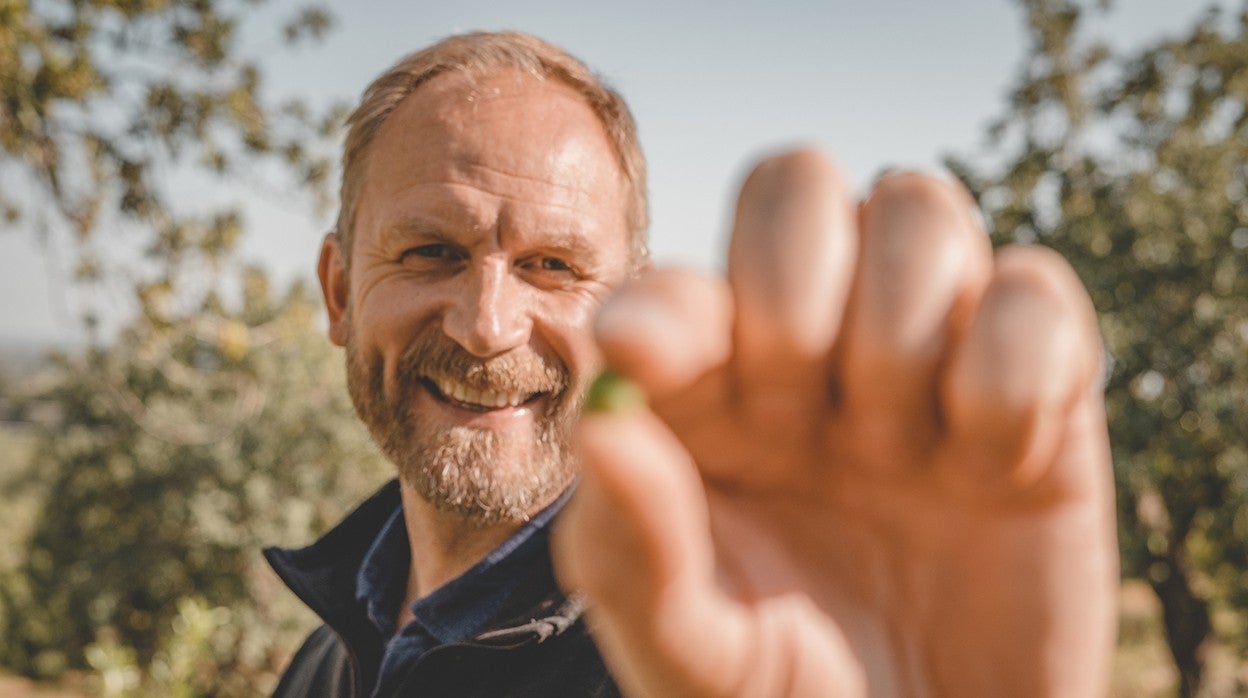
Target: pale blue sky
point(713, 86)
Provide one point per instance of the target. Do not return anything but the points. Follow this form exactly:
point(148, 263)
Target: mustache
point(521, 370)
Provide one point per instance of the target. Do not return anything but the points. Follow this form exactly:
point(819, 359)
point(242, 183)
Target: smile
point(467, 398)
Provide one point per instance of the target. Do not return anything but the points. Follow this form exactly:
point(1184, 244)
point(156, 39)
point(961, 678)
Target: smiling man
point(873, 462)
point(487, 211)
point(489, 229)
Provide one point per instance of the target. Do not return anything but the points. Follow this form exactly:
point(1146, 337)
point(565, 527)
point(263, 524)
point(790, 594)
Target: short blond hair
point(483, 53)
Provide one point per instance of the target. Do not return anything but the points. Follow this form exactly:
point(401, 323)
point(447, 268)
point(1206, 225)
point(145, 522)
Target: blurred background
point(168, 403)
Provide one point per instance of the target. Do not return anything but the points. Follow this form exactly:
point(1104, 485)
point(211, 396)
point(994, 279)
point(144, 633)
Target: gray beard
point(473, 473)
point(478, 474)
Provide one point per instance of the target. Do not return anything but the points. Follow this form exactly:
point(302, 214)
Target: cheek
point(567, 325)
point(389, 316)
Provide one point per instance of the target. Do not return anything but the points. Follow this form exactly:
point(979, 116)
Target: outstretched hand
point(874, 460)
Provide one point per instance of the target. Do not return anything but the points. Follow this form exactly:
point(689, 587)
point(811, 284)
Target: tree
point(1135, 167)
point(105, 103)
point(174, 455)
point(215, 421)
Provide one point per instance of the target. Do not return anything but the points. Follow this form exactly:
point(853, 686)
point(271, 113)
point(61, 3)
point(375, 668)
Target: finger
point(789, 265)
point(634, 539)
point(666, 329)
point(924, 261)
point(1030, 357)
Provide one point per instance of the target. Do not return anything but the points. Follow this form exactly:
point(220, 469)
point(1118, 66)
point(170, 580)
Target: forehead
point(507, 133)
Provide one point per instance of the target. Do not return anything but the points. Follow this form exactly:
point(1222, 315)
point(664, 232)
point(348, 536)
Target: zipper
point(534, 632)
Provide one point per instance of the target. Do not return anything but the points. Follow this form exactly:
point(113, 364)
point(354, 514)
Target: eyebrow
point(562, 239)
point(413, 226)
point(411, 230)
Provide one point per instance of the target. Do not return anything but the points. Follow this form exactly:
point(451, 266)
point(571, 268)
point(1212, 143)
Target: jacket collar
point(324, 575)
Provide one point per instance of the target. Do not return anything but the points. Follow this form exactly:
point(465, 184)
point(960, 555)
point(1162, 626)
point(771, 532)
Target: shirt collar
point(379, 586)
point(516, 573)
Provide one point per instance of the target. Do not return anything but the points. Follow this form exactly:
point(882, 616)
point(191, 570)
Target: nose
point(489, 315)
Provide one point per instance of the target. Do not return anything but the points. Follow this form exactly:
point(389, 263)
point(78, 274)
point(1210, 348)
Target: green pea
point(612, 393)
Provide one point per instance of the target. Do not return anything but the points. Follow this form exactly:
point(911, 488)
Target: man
point(873, 460)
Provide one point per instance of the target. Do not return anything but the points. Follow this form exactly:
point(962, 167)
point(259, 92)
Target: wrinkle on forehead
point(476, 148)
point(449, 204)
point(575, 197)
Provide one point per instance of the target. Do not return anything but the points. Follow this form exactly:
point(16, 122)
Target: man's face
point(490, 226)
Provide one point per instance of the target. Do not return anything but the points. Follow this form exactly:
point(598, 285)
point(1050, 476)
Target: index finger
point(790, 265)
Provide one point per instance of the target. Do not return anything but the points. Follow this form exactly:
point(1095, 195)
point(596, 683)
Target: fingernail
point(942, 173)
point(933, 171)
point(611, 393)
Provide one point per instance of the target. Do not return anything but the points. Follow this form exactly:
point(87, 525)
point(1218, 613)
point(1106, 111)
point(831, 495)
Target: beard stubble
point(485, 476)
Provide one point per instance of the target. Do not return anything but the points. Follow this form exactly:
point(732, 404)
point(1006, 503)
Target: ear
point(335, 287)
point(642, 266)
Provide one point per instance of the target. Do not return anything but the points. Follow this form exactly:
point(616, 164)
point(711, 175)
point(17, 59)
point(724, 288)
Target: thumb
point(635, 540)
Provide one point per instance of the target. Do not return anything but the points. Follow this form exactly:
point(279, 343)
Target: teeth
point(482, 398)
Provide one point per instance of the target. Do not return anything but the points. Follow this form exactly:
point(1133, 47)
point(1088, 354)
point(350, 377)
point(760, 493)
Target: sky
point(714, 86)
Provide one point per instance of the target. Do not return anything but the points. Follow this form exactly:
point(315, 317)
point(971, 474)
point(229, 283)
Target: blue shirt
point(456, 611)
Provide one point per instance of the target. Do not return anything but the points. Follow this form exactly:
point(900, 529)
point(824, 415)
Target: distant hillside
point(18, 356)
point(20, 362)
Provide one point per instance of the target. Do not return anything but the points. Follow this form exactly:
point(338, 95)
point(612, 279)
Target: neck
point(444, 545)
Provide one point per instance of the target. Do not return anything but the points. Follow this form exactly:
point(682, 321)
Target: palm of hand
point(901, 480)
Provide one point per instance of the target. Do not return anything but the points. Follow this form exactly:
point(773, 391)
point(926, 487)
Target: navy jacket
point(541, 649)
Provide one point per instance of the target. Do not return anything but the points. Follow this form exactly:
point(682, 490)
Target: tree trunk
point(1188, 627)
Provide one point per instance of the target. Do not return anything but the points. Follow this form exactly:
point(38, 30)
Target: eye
point(550, 266)
point(553, 264)
point(550, 269)
point(435, 252)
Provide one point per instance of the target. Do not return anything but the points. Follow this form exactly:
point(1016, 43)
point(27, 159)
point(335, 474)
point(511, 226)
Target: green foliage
point(216, 421)
point(187, 663)
point(173, 457)
point(104, 103)
point(1135, 168)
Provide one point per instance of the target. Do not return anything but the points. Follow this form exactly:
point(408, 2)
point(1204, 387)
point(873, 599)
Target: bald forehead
point(469, 86)
point(507, 127)
point(463, 110)
point(507, 144)
point(507, 101)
